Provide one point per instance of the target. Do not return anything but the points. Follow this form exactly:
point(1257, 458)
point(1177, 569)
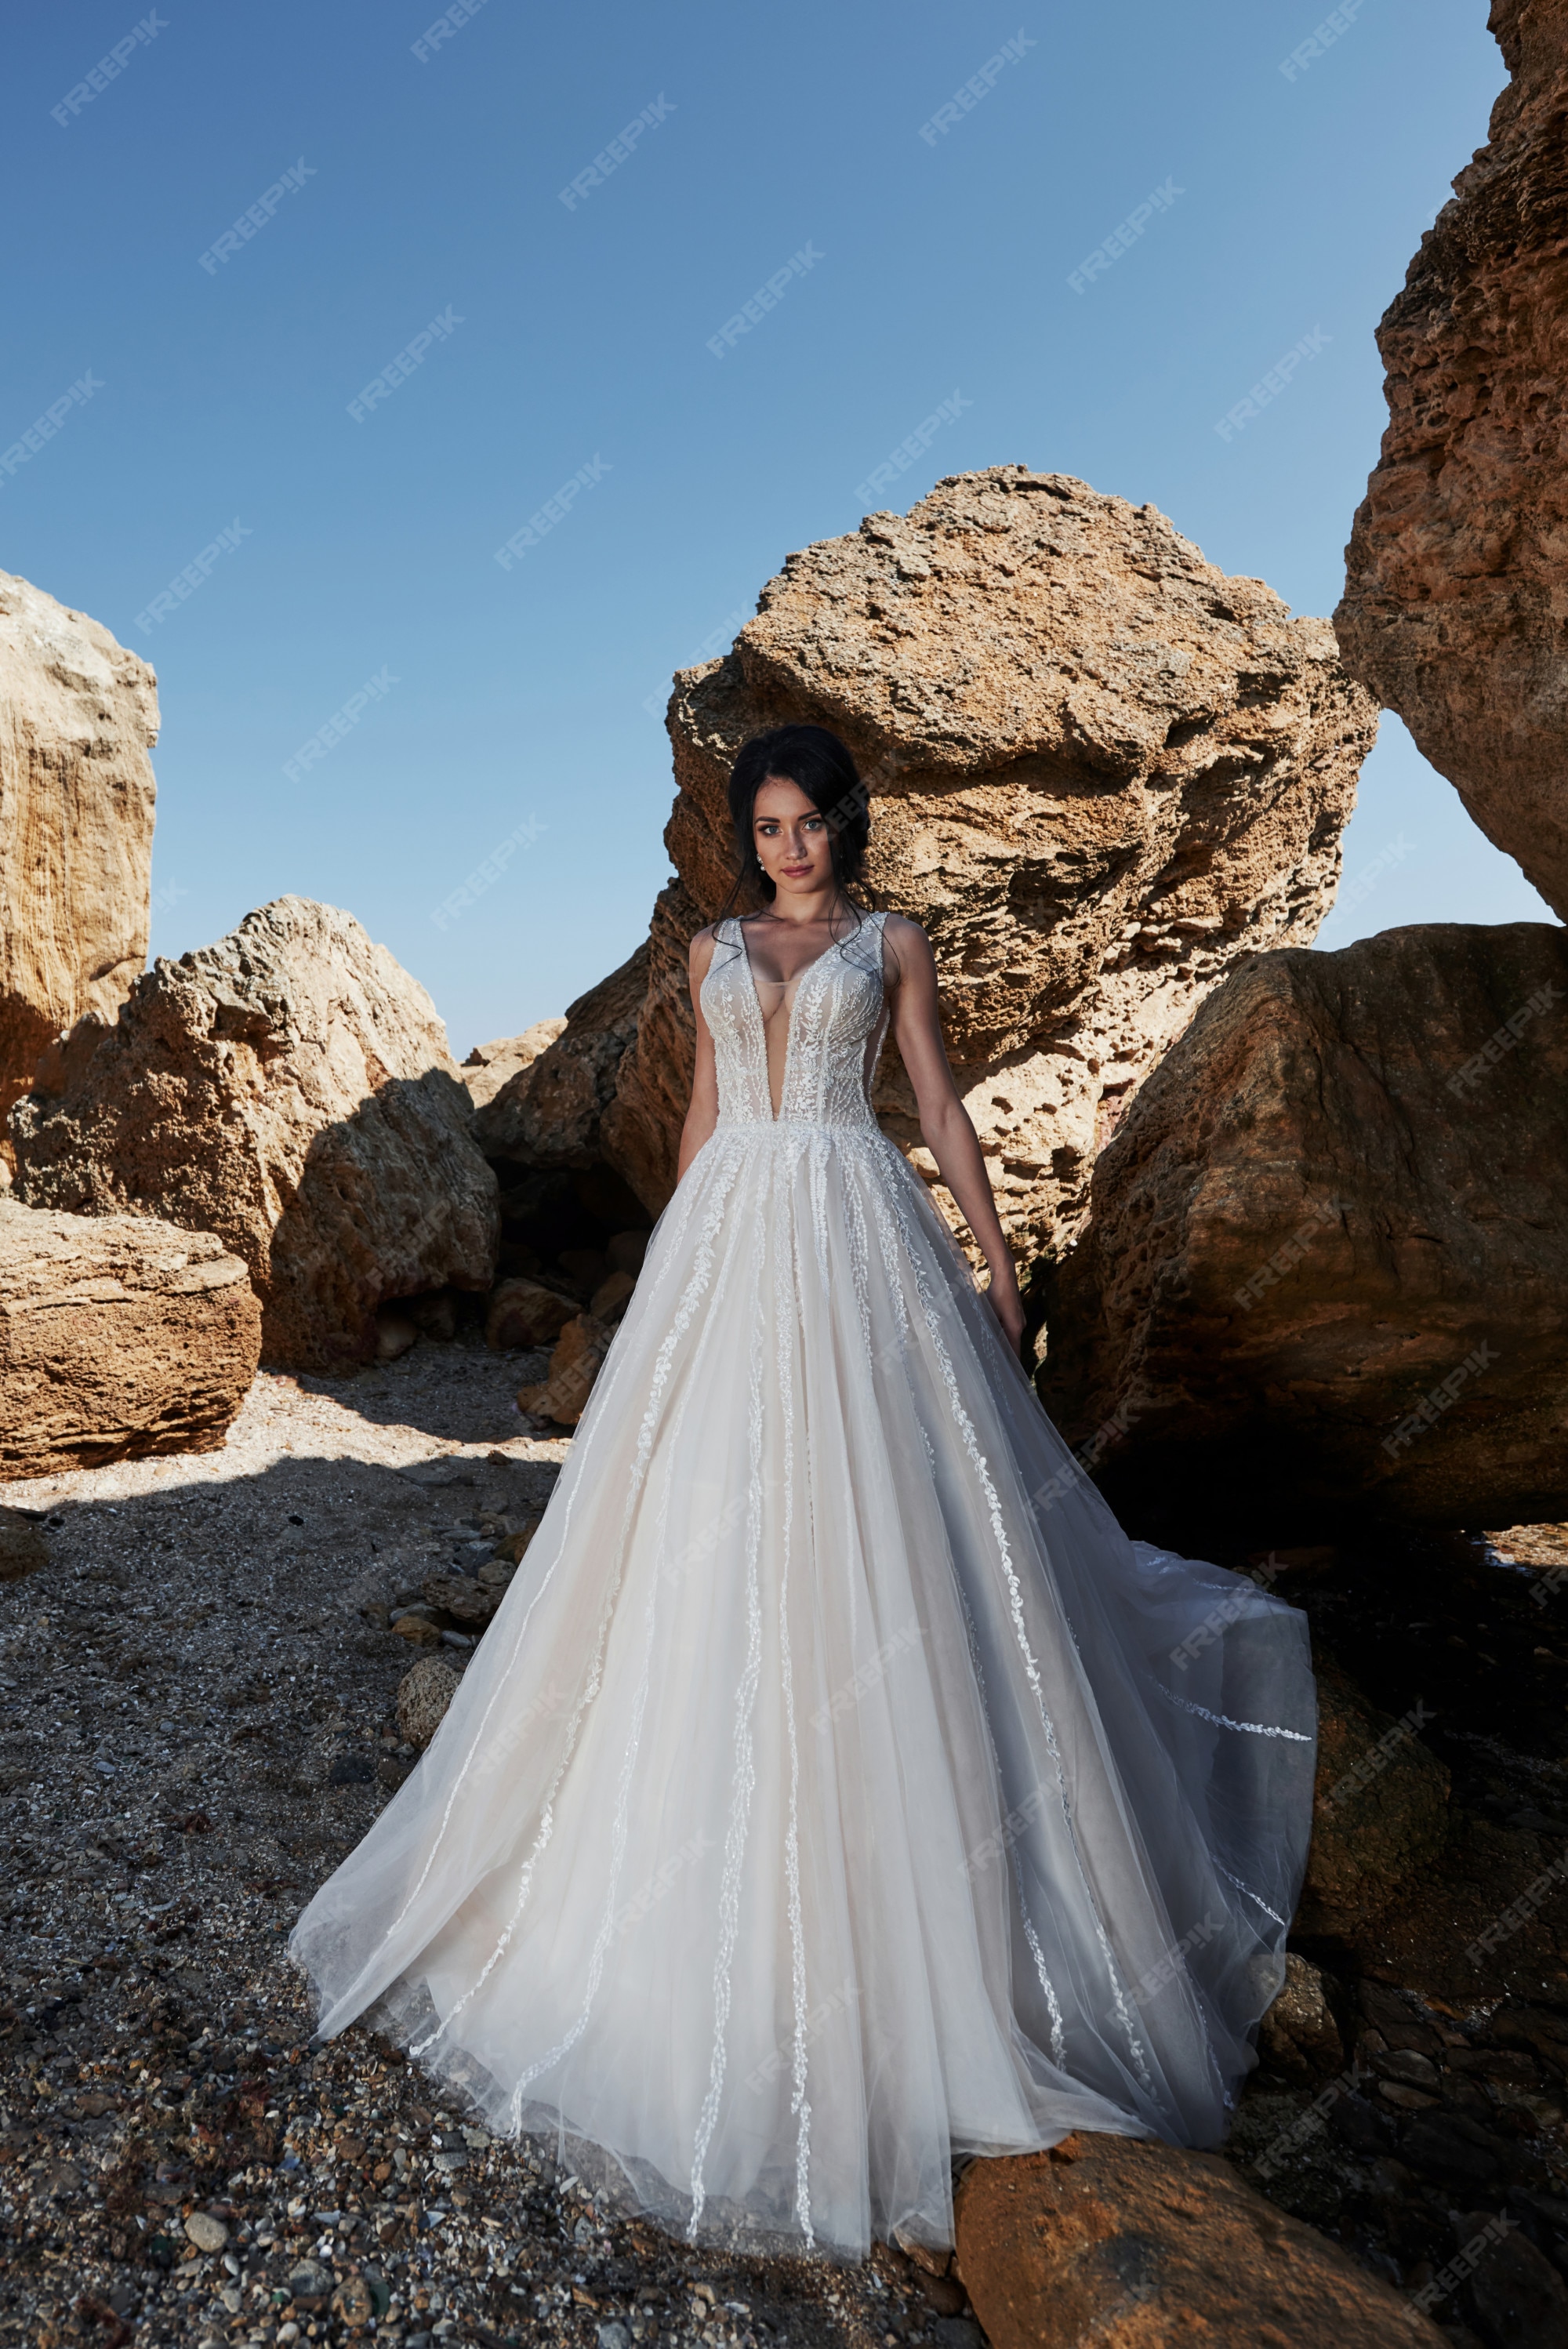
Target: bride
point(838, 1790)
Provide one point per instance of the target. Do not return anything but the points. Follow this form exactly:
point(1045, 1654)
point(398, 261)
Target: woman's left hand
point(1008, 1306)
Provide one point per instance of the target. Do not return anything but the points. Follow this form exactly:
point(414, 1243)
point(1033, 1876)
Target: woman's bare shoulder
point(700, 952)
point(907, 943)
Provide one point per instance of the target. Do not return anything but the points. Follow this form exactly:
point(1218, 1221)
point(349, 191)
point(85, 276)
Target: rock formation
point(1456, 598)
point(78, 715)
point(119, 1337)
point(1327, 1266)
point(1102, 773)
point(291, 1089)
point(490, 1066)
point(1115, 2239)
point(548, 1114)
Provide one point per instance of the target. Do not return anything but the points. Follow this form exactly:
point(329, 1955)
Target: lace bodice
point(837, 1023)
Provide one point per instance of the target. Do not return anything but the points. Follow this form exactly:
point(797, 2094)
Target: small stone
point(395, 1334)
point(470, 1604)
point(352, 2303)
point(613, 2336)
point(309, 2280)
point(523, 1314)
point(351, 1770)
point(419, 1630)
point(609, 1300)
point(423, 1695)
point(579, 1357)
point(207, 2234)
point(510, 1551)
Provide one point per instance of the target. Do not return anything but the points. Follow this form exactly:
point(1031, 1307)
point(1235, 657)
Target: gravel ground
point(198, 1723)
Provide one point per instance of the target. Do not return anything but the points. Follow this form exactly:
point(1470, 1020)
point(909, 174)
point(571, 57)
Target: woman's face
point(794, 845)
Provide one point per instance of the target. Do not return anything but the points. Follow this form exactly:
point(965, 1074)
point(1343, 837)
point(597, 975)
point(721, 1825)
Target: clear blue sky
point(531, 697)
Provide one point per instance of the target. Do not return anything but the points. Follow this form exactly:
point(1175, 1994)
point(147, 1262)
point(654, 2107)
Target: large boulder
point(1327, 1265)
point(119, 1337)
point(1456, 592)
point(78, 715)
point(291, 1089)
point(1119, 2240)
point(1102, 773)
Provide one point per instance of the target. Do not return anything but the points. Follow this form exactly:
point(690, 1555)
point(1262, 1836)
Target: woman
point(838, 1790)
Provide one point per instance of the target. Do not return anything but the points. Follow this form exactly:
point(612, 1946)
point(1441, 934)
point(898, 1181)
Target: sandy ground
point(199, 1722)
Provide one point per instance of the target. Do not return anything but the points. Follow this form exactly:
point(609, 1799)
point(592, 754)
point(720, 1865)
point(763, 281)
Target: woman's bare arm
point(702, 1114)
point(944, 1123)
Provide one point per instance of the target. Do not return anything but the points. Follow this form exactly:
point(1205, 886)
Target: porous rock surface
point(1101, 772)
point(490, 1066)
point(1327, 1266)
point(78, 715)
point(120, 1336)
point(1456, 592)
point(1120, 2240)
point(291, 1089)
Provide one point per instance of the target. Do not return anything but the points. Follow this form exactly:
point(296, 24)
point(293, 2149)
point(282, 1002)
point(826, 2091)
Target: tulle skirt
point(838, 1790)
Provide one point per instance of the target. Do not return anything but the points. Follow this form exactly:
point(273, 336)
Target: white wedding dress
point(838, 1790)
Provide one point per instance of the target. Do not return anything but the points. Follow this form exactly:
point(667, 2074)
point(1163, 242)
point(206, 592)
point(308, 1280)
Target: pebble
point(207, 2234)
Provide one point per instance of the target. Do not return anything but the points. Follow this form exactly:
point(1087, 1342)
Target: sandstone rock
point(418, 1630)
point(1102, 773)
point(1134, 2244)
point(490, 1066)
point(612, 1297)
point(207, 2234)
point(524, 1313)
point(423, 1693)
point(289, 1089)
point(549, 1112)
point(396, 1334)
point(574, 1365)
point(119, 1338)
point(23, 1549)
point(1327, 1266)
point(1379, 1816)
point(1454, 597)
point(469, 1603)
point(1299, 2039)
point(78, 715)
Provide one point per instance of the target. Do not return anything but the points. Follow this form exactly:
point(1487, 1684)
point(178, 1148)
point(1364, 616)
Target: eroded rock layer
point(78, 715)
point(120, 1336)
point(1457, 591)
point(1102, 773)
point(291, 1089)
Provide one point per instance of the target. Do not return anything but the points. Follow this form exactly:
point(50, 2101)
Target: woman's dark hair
point(818, 763)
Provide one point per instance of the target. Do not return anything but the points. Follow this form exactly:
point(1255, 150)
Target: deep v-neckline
point(801, 977)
